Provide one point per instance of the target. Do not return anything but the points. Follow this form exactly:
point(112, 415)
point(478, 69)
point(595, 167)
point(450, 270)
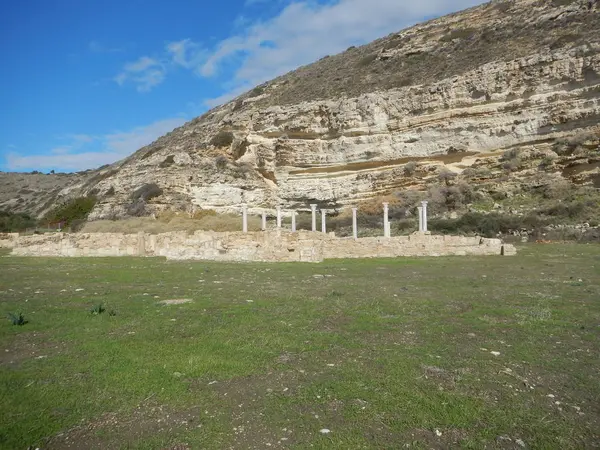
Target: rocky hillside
point(505, 96)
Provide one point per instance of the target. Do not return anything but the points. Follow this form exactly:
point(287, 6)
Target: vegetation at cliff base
point(72, 213)
point(14, 222)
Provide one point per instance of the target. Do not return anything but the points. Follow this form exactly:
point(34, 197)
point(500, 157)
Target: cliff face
point(453, 93)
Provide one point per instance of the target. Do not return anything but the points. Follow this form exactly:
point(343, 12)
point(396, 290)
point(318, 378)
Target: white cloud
point(186, 53)
point(70, 163)
point(304, 31)
point(179, 51)
point(125, 143)
point(145, 73)
point(81, 138)
point(79, 156)
point(62, 150)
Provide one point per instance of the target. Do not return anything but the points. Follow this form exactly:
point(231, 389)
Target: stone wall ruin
point(270, 246)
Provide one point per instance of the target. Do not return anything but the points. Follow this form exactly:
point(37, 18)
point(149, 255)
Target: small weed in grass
point(97, 310)
point(17, 319)
point(334, 294)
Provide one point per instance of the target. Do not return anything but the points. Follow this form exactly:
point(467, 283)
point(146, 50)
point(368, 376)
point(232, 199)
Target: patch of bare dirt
point(26, 346)
point(248, 397)
point(118, 430)
point(438, 439)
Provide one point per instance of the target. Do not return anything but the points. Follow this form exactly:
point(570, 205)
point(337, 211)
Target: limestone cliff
point(452, 93)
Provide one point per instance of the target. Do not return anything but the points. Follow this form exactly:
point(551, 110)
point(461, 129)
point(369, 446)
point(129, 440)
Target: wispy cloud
point(186, 53)
point(125, 143)
point(145, 73)
point(300, 33)
point(62, 150)
point(305, 30)
point(87, 152)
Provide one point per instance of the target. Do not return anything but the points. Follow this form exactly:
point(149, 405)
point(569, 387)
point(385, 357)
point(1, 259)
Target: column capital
point(424, 203)
point(313, 206)
point(386, 204)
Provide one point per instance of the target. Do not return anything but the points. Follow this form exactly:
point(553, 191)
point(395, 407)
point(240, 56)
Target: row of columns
point(386, 221)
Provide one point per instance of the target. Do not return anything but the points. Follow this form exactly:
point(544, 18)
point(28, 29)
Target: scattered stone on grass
point(176, 301)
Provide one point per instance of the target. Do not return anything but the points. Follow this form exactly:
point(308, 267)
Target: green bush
point(449, 198)
point(512, 165)
point(511, 154)
point(365, 61)
point(464, 33)
point(97, 310)
point(221, 161)
point(258, 90)
point(488, 225)
point(567, 146)
point(410, 168)
point(222, 139)
point(73, 210)
point(14, 222)
point(17, 319)
point(571, 210)
point(445, 176)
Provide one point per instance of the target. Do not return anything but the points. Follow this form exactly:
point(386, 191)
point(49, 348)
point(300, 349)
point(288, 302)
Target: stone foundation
point(270, 246)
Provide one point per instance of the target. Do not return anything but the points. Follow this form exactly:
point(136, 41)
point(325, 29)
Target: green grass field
point(458, 352)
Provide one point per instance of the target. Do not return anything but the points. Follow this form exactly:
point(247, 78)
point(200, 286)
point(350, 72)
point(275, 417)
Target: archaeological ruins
point(274, 244)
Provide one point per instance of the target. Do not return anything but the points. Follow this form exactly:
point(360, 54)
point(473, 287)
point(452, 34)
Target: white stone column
point(420, 209)
point(323, 221)
point(293, 221)
point(314, 217)
point(424, 203)
point(264, 221)
point(386, 220)
point(354, 224)
point(279, 217)
point(245, 218)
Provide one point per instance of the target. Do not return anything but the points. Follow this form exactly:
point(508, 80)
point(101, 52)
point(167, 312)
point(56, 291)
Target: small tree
point(74, 210)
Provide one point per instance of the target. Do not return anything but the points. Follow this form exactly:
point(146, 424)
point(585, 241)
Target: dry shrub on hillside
point(222, 139)
point(410, 168)
point(374, 206)
point(446, 176)
point(449, 198)
point(202, 213)
point(568, 145)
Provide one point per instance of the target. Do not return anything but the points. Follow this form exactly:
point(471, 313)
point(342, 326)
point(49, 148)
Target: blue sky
point(88, 82)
